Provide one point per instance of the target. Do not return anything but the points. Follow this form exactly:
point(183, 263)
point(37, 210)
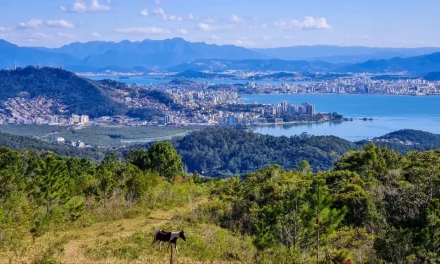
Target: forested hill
point(414, 136)
point(26, 143)
point(79, 95)
point(408, 140)
point(223, 152)
point(226, 152)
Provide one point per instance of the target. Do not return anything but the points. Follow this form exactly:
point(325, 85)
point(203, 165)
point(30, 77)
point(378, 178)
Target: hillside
point(179, 55)
point(342, 54)
point(27, 143)
point(407, 140)
point(254, 65)
point(190, 74)
point(432, 76)
point(227, 152)
point(416, 65)
point(77, 94)
point(11, 54)
point(375, 205)
point(96, 55)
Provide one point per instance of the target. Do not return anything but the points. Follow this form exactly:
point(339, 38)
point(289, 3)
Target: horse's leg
point(160, 245)
point(177, 251)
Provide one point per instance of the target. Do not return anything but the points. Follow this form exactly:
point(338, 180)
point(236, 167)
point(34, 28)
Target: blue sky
point(249, 23)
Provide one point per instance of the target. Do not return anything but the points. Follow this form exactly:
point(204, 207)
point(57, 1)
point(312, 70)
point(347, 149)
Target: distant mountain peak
point(4, 43)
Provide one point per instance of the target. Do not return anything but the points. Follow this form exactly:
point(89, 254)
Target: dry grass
point(129, 241)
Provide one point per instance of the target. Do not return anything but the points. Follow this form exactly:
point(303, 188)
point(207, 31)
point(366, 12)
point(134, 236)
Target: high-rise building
point(74, 119)
point(285, 106)
point(293, 109)
point(53, 120)
point(84, 119)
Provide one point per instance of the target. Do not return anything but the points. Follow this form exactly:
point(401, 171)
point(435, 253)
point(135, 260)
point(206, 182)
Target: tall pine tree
point(323, 219)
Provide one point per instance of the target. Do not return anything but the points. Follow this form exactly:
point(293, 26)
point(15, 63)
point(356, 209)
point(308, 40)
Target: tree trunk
point(317, 246)
point(295, 223)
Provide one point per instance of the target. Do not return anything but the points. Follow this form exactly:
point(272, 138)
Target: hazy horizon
point(244, 23)
point(252, 48)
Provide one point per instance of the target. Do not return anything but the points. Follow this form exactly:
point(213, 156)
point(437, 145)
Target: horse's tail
point(155, 236)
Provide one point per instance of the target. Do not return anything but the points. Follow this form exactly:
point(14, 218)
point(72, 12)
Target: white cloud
point(159, 11)
point(65, 35)
point(190, 17)
point(60, 23)
point(263, 26)
point(96, 35)
point(183, 31)
point(214, 37)
point(169, 17)
point(308, 23)
point(96, 7)
point(144, 12)
point(5, 29)
point(237, 20)
point(157, 2)
point(172, 17)
point(209, 19)
point(39, 35)
point(81, 7)
point(245, 43)
point(366, 37)
point(204, 27)
point(142, 30)
point(31, 24)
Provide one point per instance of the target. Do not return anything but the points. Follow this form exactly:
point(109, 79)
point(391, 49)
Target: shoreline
point(302, 122)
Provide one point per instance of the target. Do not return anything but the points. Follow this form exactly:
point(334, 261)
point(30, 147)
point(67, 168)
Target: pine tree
point(431, 233)
point(322, 218)
point(52, 183)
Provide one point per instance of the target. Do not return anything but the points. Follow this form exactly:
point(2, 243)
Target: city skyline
point(251, 24)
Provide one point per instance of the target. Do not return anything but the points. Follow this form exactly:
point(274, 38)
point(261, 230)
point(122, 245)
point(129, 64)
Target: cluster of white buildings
point(205, 98)
point(286, 108)
point(63, 141)
point(73, 120)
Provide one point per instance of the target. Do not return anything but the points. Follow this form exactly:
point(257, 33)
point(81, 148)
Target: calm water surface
point(391, 113)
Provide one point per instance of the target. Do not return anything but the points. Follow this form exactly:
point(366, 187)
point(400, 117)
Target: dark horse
point(170, 237)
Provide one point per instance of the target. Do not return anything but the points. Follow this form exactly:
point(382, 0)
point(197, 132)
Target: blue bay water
point(390, 113)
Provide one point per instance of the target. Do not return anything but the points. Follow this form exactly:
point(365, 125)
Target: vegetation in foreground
point(375, 205)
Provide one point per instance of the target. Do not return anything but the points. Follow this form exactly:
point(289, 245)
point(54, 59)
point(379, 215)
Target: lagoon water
point(390, 113)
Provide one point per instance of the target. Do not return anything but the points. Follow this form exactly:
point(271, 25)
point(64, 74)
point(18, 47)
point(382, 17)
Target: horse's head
point(182, 235)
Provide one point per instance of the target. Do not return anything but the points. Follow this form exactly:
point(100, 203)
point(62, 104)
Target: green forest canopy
point(375, 205)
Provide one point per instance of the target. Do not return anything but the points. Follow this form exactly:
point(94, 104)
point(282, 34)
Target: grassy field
point(128, 238)
point(111, 136)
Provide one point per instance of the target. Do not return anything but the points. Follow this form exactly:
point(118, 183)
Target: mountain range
point(256, 65)
point(338, 54)
point(179, 55)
